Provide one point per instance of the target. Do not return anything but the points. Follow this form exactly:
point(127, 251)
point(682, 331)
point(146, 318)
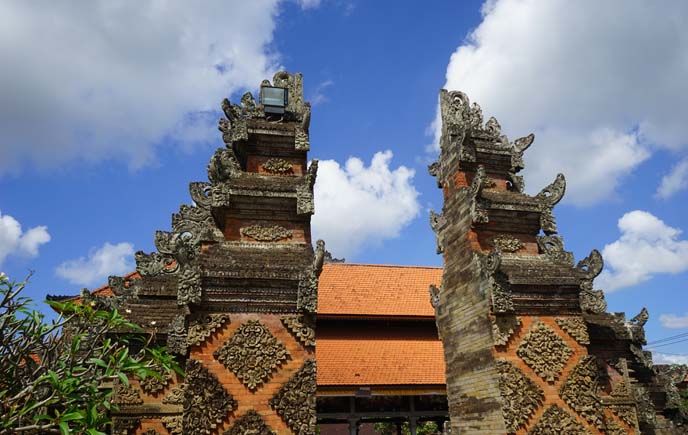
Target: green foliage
point(57, 377)
point(424, 428)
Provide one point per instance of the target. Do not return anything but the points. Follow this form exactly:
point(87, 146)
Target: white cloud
point(319, 96)
point(359, 205)
point(102, 262)
point(308, 4)
point(647, 246)
point(106, 79)
point(672, 321)
point(15, 241)
point(675, 181)
point(663, 358)
point(600, 83)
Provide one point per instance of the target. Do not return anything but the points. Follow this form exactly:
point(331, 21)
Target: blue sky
point(111, 111)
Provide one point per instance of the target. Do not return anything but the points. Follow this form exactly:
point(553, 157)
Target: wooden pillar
point(413, 423)
point(353, 426)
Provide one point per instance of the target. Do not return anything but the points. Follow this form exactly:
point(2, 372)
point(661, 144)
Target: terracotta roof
point(379, 361)
point(376, 290)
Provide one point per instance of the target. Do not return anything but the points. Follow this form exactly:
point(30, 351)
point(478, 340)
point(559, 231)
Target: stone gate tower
point(529, 347)
point(232, 289)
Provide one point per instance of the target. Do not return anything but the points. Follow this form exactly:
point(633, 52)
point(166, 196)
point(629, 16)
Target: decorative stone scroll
point(223, 166)
point(301, 327)
point(307, 300)
point(575, 327)
point(206, 403)
point(304, 190)
point(126, 395)
point(480, 180)
point(548, 198)
point(278, 166)
point(153, 384)
point(437, 222)
point(580, 391)
point(544, 351)
point(271, 233)
point(592, 301)
point(202, 326)
point(502, 298)
point(557, 421)
point(519, 146)
point(507, 243)
point(252, 354)
point(250, 423)
point(553, 248)
point(295, 401)
point(521, 397)
point(173, 424)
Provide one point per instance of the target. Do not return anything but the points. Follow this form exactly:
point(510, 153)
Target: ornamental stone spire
point(528, 344)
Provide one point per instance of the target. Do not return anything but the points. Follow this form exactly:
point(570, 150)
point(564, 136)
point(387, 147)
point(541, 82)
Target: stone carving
point(234, 128)
point(173, 424)
point(278, 166)
point(252, 354)
point(614, 428)
point(544, 351)
point(580, 391)
point(295, 401)
point(549, 197)
point(202, 326)
point(308, 283)
point(641, 319)
point(126, 395)
point(455, 114)
point(502, 301)
point(591, 265)
point(206, 403)
point(270, 233)
point(437, 222)
point(302, 328)
point(575, 327)
point(197, 222)
point(592, 301)
point(304, 191)
point(124, 425)
point(521, 397)
point(223, 166)
point(176, 335)
point(153, 384)
point(557, 421)
point(478, 212)
point(503, 328)
point(645, 410)
point(250, 423)
point(175, 396)
point(553, 248)
point(518, 148)
point(507, 243)
point(627, 414)
point(434, 296)
point(150, 432)
point(435, 170)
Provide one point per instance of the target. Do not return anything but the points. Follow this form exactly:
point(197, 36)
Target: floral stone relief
point(544, 351)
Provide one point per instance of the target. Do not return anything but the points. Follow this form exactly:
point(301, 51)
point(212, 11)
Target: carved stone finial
point(592, 264)
point(518, 148)
point(434, 296)
point(641, 318)
point(548, 198)
point(480, 180)
point(437, 222)
point(319, 257)
point(223, 166)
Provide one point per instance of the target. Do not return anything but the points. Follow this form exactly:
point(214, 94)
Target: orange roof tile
point(379, 361)
point(376, 290)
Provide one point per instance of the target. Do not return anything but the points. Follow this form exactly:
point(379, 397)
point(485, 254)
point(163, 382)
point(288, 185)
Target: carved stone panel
point(302, 328)
point(153, 384)
point(175, 396)
point(507, 243)
point(580, 391)
point(544, 351)
point(557, 421)
point(278, 166)
point(173, 424)
point(503, 328)
point(206, 403)
point(252, 354)
point(521, 397)
point(270, 233)
point(575, 327)
point(201, 327)
point(126, 395)
point(124, 425)
point(295, 401)
point(250, 423)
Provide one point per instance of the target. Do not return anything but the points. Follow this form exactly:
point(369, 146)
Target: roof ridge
point(383, 265)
